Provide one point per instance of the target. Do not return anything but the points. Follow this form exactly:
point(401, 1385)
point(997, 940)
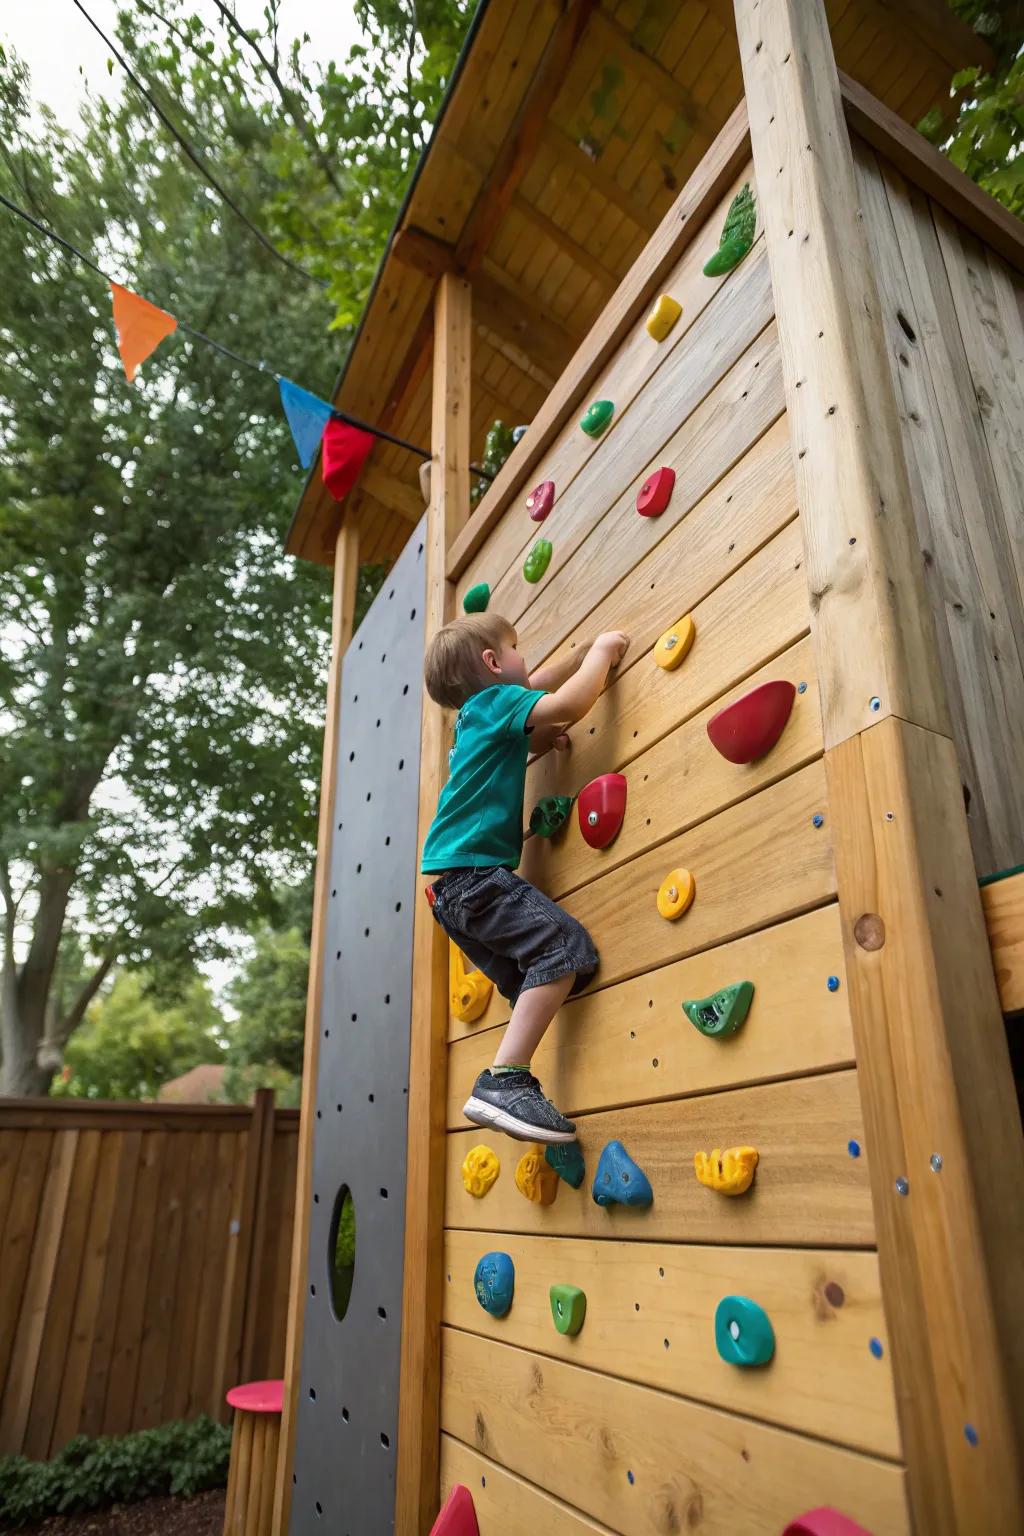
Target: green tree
point(988, 135)
point(269, 997)
point(128, 1045)
point(163, 667)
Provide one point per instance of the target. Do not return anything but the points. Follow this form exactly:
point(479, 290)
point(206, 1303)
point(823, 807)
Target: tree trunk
point(20, 1074)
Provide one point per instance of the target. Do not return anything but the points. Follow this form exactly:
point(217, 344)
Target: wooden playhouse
point(843, 411)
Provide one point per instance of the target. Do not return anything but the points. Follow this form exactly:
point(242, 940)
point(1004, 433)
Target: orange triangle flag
point(141, 327)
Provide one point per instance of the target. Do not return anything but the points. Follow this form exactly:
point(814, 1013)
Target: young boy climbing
point(536, 954)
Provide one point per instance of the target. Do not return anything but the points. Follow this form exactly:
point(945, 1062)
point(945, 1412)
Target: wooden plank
point(933, 172)
point(863, 569)
point(419, 1390)
point(628, 1044)
point(968, 569)
point(141, 1220)
point(16, 1238)
point(657, 809)
point(402, 496)
point(582, 162)
point(230, 1320)
point(650, 1316)
point(11, 1143)
point(504, 1502)
point(680, 225)
point(157, 1343)
point(935, 1081)
point(808, 1191)
point(211, 1298)
point(346, 564)
point(1003, 905)
point(94, 1115)
point(202, 1172)
point(67, 1266)
point(647, 68)
point(24, 1361)
point(255, 1217)
point(692, 1467)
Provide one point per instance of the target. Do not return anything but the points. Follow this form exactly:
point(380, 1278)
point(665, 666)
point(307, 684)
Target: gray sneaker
point(512, 1102)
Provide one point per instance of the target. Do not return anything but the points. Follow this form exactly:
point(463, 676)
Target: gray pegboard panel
point(347, 1423)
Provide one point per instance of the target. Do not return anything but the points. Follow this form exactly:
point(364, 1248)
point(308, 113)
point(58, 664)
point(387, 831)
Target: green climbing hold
point(566, 1159)
point(568, 1307)
point(723, 1012)
point(596, 417)
point(477, 598)
point(737, 234)
point(550, 815)
point(743, 1332)
point(538, 560)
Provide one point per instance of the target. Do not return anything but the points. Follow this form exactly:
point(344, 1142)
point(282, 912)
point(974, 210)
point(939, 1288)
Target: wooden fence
point(144, 1258)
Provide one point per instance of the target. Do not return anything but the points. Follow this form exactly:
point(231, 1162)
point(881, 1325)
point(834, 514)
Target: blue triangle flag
point(307, 416)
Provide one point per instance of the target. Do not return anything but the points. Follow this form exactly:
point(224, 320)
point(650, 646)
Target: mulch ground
point(202, 1515)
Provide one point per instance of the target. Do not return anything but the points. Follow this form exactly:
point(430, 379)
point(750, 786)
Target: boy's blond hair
point(453, 668)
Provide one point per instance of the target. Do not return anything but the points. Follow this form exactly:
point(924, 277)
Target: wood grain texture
point(935, 1079)
point(629, 1044)
point(808, 1191)
point(504, 1502)
point(420, 1364)
point(864, 567)
point(1003, 906)
point(692, 1466)
point(650, 1319)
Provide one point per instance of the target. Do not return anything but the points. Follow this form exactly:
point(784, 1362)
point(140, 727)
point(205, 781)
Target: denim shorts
point(508, 929)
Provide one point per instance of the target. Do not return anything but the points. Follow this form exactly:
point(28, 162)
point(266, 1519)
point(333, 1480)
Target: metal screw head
point(902, 1187)
point(853, 1147)
point(970, 1434)
point(592, 819)
point(875, 1346)
point(876, 705)
point(671, 642)
point(889, 816)
point(801, 687)
point(935, 1162)
point(833, 983)
point(673, 894)
point(817, 820)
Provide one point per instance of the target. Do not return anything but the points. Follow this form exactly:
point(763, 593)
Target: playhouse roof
point(566, 132)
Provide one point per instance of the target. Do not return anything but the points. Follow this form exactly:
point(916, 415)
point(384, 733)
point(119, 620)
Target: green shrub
point(185, 1457)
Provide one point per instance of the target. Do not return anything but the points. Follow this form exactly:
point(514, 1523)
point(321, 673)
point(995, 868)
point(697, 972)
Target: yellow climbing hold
point(663, 317)
point(675, 643)
point(480, 1168)
point(676, 893)
point(730, 1172)
point(535, 1177)
point(469, 992)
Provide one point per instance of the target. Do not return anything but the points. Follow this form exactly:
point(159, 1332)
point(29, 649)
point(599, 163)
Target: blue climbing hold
point(970, 1434)
point(618, 1180)
point(743, 1332)
point(875, 1346)
point(566, 1159)
point(853, 1147)
point(494, 1281)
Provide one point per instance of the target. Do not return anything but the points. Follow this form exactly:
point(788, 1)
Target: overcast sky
point(62, 50)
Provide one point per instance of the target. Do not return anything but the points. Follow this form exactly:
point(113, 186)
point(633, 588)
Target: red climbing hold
point(540, 500)
point(602, 805)
point(749, 728)
point(824, 1522)
point(653, 495)
point(457, 1517)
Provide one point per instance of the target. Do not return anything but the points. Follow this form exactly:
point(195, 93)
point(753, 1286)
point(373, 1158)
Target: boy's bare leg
point(532, 1014)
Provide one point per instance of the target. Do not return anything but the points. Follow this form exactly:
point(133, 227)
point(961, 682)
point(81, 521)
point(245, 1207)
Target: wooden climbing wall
point(636, 1425)
point(954, 317)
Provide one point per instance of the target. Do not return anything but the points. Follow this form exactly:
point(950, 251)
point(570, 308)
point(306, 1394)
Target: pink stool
point(824, 1522)
point(254, 1440)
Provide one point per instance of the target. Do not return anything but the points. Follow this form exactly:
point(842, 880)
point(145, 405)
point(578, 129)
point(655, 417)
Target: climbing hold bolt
point(568, 1307)
point(853, 1147)
point(663, 317)
point(676, 893)
point(494, 1283)
point(935, 1162)
point(801, 687)
point(970, 1434)
point(817, 820)
point(875, 1346)
point(618, 1180)
point(743, 1332)
point(902, 1187)
point(723, 1012)
point(833, 983)
point(876, 705)
point(596, 417)
point(477, 598)
point(675, 643)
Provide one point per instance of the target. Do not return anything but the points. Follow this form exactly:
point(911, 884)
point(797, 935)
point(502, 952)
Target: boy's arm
point(551, 677)
point(576, 697)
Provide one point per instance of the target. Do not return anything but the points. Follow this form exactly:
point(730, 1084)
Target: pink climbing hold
point(748, 728)
point(653, 496)
point(457, 1517)
point(824, 1522)
point(540, 500)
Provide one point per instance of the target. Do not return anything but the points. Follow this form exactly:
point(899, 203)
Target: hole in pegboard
point(387, 997)
point(382, 1314)
point(318, 1507)
point(383, 1193)
point(385, 1442)
point(341, 1250)
point(344, 1414)
point(405, 690)
point(312, 1394)
point(312, 1290)
point(369, 1098)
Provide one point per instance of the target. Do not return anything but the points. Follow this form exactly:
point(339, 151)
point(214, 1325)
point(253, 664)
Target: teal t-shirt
point(479, 818)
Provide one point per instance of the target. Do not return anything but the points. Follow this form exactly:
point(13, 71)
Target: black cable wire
point(190, 152)
point(218, 346)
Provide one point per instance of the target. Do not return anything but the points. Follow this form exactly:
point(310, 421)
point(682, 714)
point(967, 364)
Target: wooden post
point(260, 1159)
point(346, 565)
point(941, 1121)
point(419, 1394)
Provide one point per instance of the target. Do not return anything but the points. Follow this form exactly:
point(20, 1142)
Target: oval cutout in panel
point(341, 1251)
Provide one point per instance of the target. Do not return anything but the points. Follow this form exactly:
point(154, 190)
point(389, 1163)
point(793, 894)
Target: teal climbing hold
point(477, 598)
point(538, 560)
point(550, 815)
point(743, 1332)
point(723, 1012)
point(737, 234)
point(566, 1159)
point(494, 1282)
point(568, 1307)
point(596, 417)
point(618, 1180)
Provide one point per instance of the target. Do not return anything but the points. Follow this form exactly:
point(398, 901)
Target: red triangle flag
point(344, 451)
point(141, 327)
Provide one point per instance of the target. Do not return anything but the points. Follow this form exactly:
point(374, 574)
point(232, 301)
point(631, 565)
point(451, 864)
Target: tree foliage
point(269, 997)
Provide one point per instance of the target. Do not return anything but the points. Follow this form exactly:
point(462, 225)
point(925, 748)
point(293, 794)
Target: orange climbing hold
point(730, 1172)
point(535, 1177)
point(675, 643)
point(676, 893)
